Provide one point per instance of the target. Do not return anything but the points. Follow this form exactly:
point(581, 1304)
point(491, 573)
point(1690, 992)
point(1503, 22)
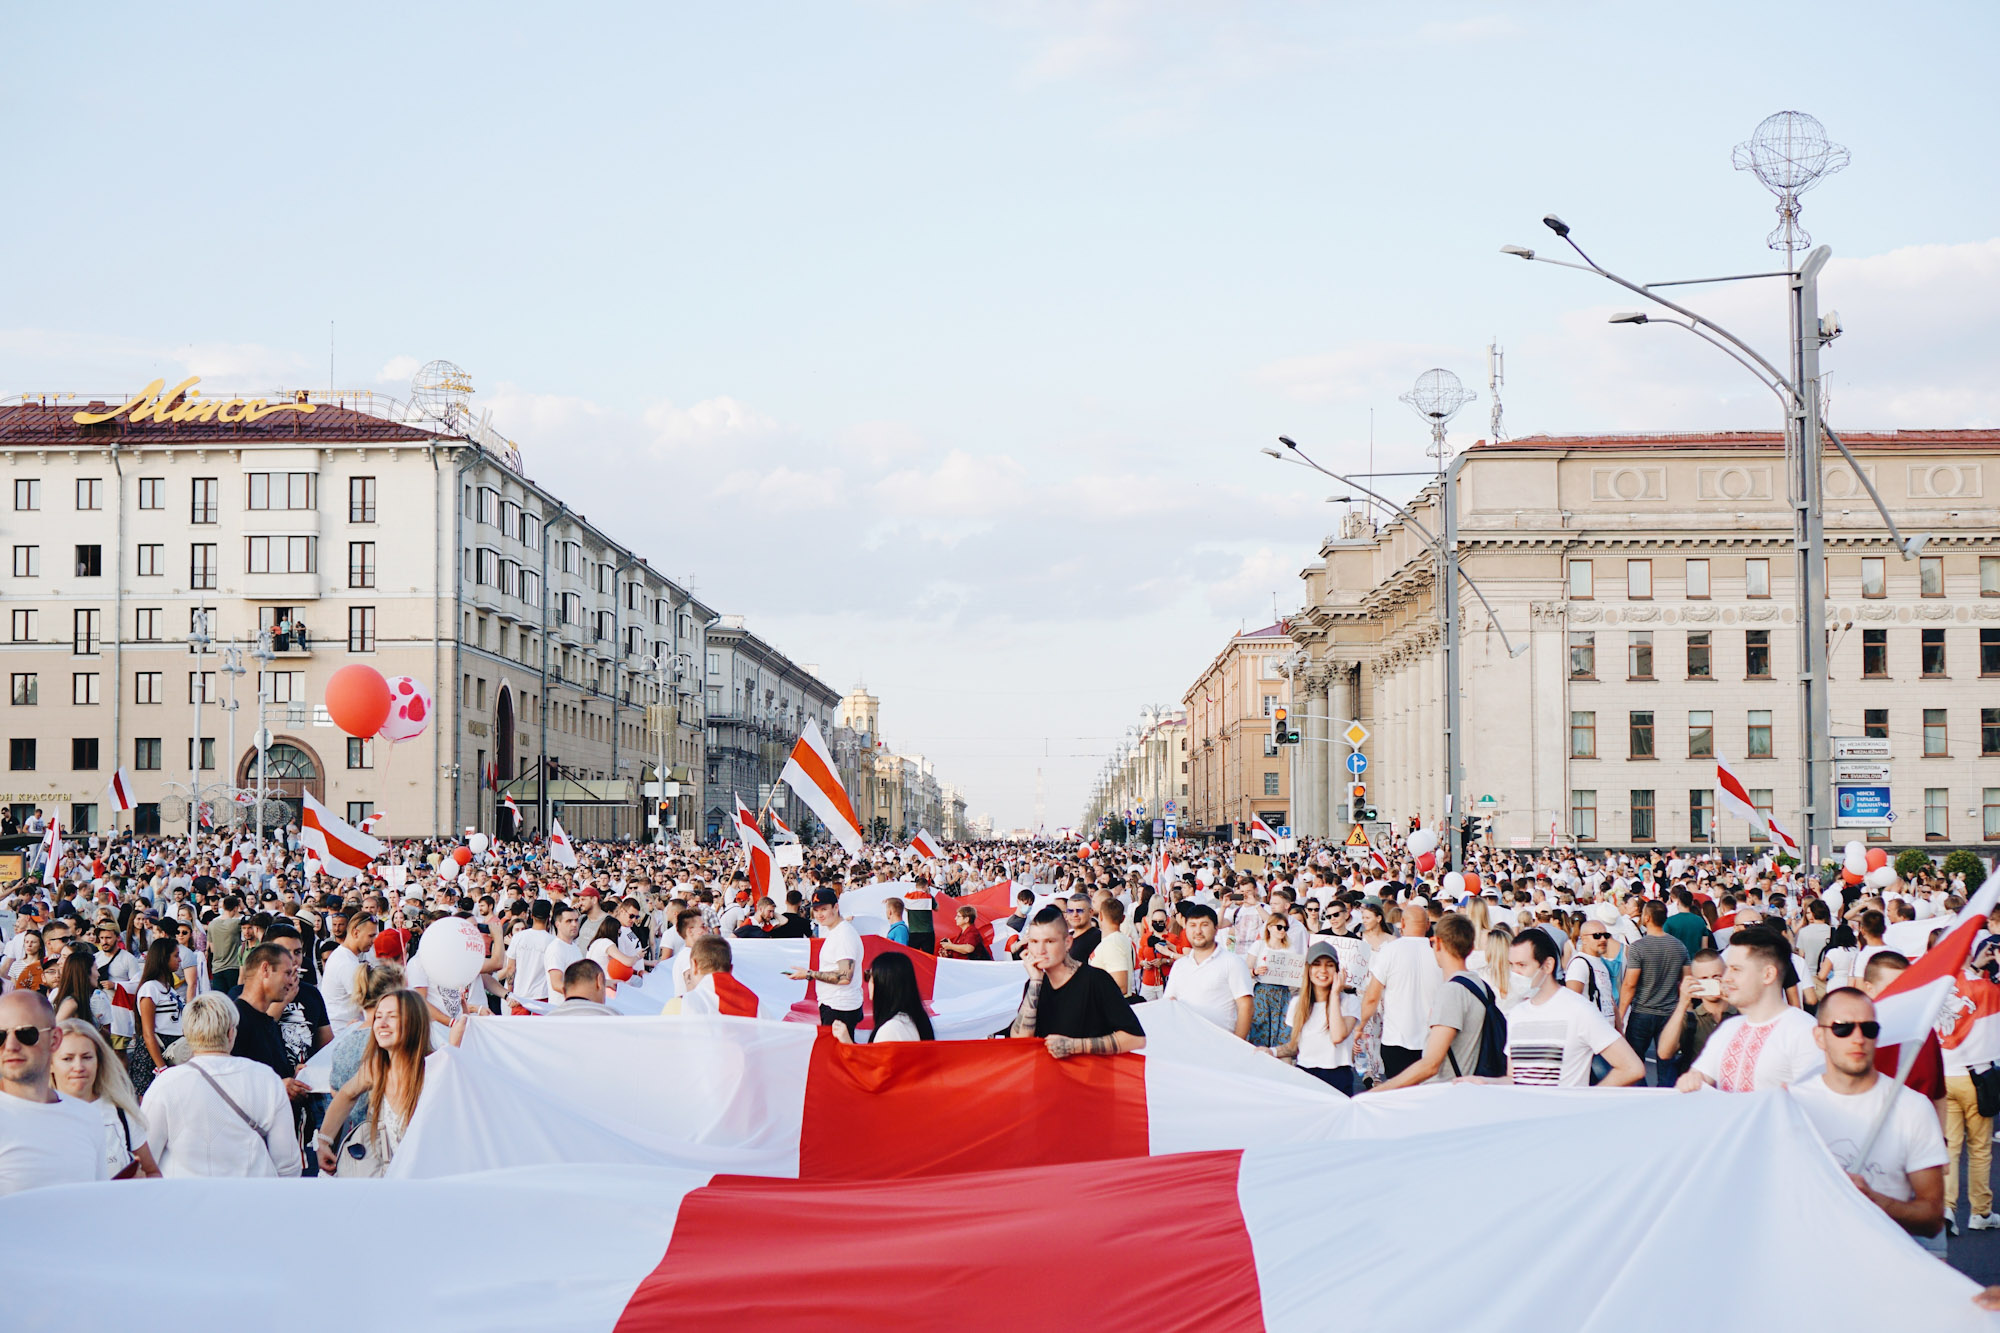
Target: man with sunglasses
point(45, 1138)
point(1903, 1174)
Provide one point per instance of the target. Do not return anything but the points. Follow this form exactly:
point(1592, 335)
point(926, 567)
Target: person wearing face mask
point(1553, 1032)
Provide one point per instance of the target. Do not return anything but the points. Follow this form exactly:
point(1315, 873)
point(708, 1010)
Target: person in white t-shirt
point(689, 926)
point(339, 977)
point(1403, 977)
point(523, 971)
point(1553, 1033)
point(1212, 981)
point(1903, 1174)
point(840, 957)
point(45, 1137)
point(563, 949)
point(1768, 1044)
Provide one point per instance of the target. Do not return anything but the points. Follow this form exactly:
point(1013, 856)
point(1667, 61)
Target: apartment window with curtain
point(87, 632)
point(1875, 723)
point(1701, 655)
point(90, 493)
point(84, 687)
point(361, 564)
point(1875, 653)
point(1937, 737)
point(1583, 816)
point(1642, 816)
point(1930, 575)
point(1989, 732)
point(361, 499)
point(1639, 654)
point(1757, 578)
point(1758, 744)
point(1639, 580)
point(1990, 804)
point(201, 565)
point(1580, 584)
point(1989, 576)
point(1701, 734)
point(1989, 652)
point(1640, 735)
point(1582, 655)
point(1697, 580)
point(1933, 658)
point(1937, 815)
point(1757, 654)
point(360, 629)
point(1874, 581)
point(1583, 735)
point(1701, 814)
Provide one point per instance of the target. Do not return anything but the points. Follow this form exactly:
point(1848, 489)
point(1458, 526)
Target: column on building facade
point(1309, 804)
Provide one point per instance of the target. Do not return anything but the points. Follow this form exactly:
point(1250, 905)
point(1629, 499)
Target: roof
point(1276, 631)
point(52, 426)
point(1981, 438)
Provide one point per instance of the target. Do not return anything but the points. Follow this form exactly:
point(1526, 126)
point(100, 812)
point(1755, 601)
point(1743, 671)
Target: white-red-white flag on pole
point(344, 851)
point(1735, 796)
point(1156, 874)
point(1909, 1006)
point(1784, 837)
point(1262, 832)
point(371, 819)
point(755, 850)
point(1379, 861)
point(53, 849)
point(559, 845)
point(925, 845)
point(783, 829)
point(810, 773)
point(512, 809)
point(121, 789)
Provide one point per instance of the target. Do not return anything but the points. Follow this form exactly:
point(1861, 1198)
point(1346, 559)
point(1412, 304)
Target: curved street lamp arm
point(1908, 547)
point(1391, 505)
point(1783, 393)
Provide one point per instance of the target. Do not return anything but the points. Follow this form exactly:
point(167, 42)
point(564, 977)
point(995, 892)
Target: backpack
point(1492, 1060)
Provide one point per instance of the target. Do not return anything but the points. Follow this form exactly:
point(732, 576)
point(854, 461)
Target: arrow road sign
point(1357, 763)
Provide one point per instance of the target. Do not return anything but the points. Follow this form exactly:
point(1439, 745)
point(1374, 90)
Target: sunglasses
point(1597, 934)
point(1869, 1028)
point(28, 1036)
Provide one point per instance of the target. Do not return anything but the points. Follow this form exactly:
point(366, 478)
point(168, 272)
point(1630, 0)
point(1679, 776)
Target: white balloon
point(1454, 883)
point(1423, 841)
point(452, 951)
point(478, 842)
point(447, 869)
point(1881, 877)
point(1854, 849)
point(1857, 861)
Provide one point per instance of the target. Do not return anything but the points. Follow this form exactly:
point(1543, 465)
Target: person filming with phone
point(1698, 1012)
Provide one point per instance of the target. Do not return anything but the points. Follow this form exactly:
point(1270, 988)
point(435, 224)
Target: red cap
point(390, 944)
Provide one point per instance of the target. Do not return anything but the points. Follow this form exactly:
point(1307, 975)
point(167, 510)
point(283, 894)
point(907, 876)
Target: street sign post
point(1356, 837)
point(1356, 735)
point(1862, 807)
point(1357, 763)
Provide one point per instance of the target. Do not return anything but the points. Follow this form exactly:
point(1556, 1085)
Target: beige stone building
point(1652, 579)
point(1234, 769)
point(1148, 781)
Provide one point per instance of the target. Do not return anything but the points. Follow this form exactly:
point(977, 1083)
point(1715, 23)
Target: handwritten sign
point(1284, 969)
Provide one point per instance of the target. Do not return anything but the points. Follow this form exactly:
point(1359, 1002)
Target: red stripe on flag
point(925, 1108)
point(335, 848)
point(1729, 782)
point(989, 905)
point(991, 1252)
point(872, 947)
point(823, 777)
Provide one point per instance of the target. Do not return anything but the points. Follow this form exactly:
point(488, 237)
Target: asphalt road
point(1976, 1253)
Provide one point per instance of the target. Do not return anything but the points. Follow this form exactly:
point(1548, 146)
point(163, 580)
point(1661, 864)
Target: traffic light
point(1482, 827)
point(1357, 802)
point(1278, 725)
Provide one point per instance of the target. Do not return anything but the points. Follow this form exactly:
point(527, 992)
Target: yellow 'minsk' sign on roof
point(156, 402)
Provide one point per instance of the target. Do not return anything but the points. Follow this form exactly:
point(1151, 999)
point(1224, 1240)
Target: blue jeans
point(1341, 1079)
point(1642, 1032)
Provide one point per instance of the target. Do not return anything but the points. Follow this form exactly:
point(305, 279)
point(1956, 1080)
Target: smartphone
point(1708, 989)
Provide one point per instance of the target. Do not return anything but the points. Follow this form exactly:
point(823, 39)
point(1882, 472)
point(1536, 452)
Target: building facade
point(758, 703)
point(1234, 769)
point(1148, 782)
point(175, 554)
point(1653, 582)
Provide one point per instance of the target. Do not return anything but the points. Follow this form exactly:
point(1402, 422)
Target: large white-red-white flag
point(1735, 796)
point(512, 809)
point(755, 850)
point(925, 845)
point(1784, 836)
point(559, 845)
point(1262, 832)
point(810, 773)
point(782, 829)
point(121, 789)
point(53, 849)
point(343, 850)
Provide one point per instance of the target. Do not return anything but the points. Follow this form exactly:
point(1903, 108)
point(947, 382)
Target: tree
point(1968, 864)
point(1114, 829)
point(1910, 861)
point(878, 829)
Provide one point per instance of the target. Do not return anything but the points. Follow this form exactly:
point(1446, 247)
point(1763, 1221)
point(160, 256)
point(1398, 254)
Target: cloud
point(1355, 372)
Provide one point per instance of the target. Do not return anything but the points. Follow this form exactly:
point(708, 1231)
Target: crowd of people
point(204, 1008)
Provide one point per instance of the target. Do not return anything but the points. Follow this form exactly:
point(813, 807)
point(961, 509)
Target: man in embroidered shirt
point(1768, 1044)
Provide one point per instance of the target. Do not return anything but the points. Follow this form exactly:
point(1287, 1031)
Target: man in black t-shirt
point(1077, 1008)
point(270, 982)
point(1082, 922)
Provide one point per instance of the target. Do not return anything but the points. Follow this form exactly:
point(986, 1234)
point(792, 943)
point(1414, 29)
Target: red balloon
point(1427, 862)
point(1472, 884)
point(1849, 877)
point(357, 699)
point(462, 855)
point(1877, 858)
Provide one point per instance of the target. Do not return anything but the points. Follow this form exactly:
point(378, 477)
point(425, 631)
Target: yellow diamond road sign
point(1357, 838)
point(1355, 735)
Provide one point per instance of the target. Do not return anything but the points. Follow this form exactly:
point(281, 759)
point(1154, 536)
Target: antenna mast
point(1496, 375)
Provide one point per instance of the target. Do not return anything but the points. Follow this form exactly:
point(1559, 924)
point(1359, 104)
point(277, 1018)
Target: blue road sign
point(1357, 763)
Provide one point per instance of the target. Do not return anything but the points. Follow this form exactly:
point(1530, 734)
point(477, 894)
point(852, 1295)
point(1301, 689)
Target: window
point(148, 687)
point(1270, 746)
point(1639, 654)
point(146, 752)
point(510, 519)
point(89, 562)
point(1874, 652)
point(1583, 735)
point(1758, 745)
point(360, 810)
point(146, 624)
point(284, 686)
point(1989, 731)
point(1642, 816)
point(1583, 816)
point(26, 688)
point(1756, 578)
point(1697, 580)
point(207, 752)
point(89, 493)
point(201, 565)
point(1760, 801)
point(361, 499)
point(1875, 723)
point(531, 587)
point(284, 490)
point(1639, 735)
point(488, 505)
point(27, 495)
point(1757, 654)
point(1933, 652)
point(83, 817)
point(1579, 579)
point(1872, 581)
point(1937, 738)
point(201, 503)
point(83, 687)
point(83, 753)
point(27, 562)
point(1639, 579)
point(152, 560)
point(1991, 804)
point(1701, 814)
point(201, 685)
point(21, 753)
point(87, 631)
point(1989, 652)
point(1701, 733)
point(1270, 702)
point(486, 567)
point(152, 492)
point(1271, 783)
point(360, 752)
point(1989, 576)
point(360, 629)
point(282, 555)
point(361, 564)
point(1701, 657)
point(1936, 816)
point(1930, 575)
point(26, 623)
point(1582, 655)
point(146, 818)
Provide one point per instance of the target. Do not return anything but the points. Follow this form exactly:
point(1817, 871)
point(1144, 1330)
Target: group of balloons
point(1423, 845)
point(450, 867)
point(1861, 864)
point(363, 702)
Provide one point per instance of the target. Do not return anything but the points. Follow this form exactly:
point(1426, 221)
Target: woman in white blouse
point(219, 1114)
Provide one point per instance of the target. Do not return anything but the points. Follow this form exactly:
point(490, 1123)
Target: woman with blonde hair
point(86, 1069)
point(1490, 964)
point(1270, 1000)
point(392, 1076)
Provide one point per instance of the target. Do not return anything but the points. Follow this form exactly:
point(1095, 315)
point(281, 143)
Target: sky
point(939, 339)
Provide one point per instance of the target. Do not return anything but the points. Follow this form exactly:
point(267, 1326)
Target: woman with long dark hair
point(897, 1004)
point(160, 1002)
point(75, 985)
